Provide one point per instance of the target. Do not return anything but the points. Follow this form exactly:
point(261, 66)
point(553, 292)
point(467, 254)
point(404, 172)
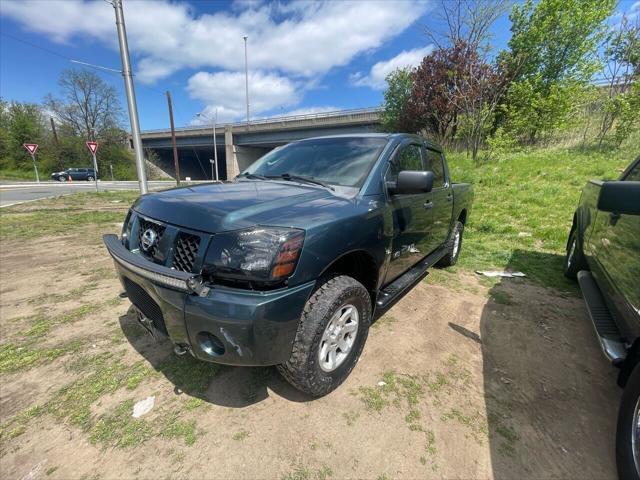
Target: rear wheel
point(574, 260)
point(628, 432)
point(90, 178)
point(331, 335)
point(453, 246)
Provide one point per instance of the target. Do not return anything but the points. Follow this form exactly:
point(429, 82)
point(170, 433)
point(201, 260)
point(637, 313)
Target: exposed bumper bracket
point(167, 277)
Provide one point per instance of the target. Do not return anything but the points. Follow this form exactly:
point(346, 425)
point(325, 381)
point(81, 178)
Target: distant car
point(88, 174)
point(603, 254)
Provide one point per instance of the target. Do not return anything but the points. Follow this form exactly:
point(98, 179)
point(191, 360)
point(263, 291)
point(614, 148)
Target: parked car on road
point(603, 254)
point(88, 174)
point(288, 263)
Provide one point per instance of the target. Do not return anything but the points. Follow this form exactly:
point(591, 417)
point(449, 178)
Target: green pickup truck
point(603, 254)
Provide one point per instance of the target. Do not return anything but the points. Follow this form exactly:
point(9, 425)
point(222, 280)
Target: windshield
point(338, 161)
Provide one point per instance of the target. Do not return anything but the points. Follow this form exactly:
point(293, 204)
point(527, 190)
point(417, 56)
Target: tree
point(475, 93)
point(396, 99)
point(88, 106)
point(551, 56)
point(466, 21)
point(621, 58)
point(430, 109)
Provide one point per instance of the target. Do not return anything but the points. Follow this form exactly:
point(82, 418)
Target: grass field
point(524, 205)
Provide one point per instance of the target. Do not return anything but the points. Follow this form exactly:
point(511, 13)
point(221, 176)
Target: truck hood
point(220, 207)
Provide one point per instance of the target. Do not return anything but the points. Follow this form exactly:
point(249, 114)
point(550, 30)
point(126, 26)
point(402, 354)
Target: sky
point(303, 57)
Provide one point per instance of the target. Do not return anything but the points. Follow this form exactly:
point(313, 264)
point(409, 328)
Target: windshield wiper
point(299, 178)
point(252, 175)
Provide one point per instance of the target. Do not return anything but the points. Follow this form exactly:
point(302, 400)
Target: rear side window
point(436, 165)
point(408, 158)
point(634, 174)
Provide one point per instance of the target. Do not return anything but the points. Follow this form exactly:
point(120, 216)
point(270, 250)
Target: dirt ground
point(461, 379)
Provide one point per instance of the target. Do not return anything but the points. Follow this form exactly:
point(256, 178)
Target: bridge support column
point(230, 152)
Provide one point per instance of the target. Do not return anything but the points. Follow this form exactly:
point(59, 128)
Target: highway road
point(12, 193)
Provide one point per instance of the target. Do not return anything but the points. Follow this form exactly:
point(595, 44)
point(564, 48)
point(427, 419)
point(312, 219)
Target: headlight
point(262, 254)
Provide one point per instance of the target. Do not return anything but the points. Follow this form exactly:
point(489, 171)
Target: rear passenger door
point(442, 198)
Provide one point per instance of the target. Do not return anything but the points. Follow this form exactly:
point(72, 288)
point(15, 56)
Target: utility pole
point(215, 145)
point(173, 139)
point(246, 77)
point(131, 96)
point(53, 129)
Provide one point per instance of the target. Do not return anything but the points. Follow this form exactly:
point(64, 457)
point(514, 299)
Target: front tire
point(90, 178)
point(331, 335)
point(62, 178)
point(574, 260)
point(628, 431)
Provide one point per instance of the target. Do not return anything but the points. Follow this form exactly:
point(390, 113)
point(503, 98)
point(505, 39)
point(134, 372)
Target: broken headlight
point(267, 255)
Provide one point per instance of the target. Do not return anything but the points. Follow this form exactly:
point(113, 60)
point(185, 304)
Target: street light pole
point(131, 96)
point(246, 77)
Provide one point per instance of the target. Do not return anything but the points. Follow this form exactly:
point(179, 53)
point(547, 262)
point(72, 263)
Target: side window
point(436, 165)
point(634, 174)
point(408, 158)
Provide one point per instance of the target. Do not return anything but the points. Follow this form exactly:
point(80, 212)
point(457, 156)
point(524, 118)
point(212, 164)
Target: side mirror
point(412, 181)
point(620, 197)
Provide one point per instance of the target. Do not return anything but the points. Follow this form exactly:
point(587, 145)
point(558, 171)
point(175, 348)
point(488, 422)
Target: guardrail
point(371, 113)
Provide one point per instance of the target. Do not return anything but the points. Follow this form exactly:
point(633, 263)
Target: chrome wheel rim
point(338, 338)
point(635, 436)
point(572, 250)
point(456, 243)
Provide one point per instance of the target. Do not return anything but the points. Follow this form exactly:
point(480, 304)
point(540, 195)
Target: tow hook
point(180, 350)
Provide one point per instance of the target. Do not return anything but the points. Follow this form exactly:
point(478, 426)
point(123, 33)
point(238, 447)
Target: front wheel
point(330, 338)
point(62, 178)
point(90, 178)
point(628, 431)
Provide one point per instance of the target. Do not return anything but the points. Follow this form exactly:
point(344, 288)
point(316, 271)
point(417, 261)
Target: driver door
point(411, 214)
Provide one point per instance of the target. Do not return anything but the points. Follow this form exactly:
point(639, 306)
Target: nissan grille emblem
point(149, 238)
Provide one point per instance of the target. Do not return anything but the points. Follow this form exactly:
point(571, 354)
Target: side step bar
point(394, 291)
point(609, 335)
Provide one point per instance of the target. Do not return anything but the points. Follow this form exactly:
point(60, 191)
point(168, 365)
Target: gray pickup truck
point(288, 263)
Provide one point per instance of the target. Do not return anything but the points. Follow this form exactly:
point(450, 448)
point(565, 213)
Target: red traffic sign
point(93, 147)
point(31, 147)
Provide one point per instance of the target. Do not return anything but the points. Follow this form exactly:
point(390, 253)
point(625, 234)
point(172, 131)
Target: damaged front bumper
point(215, 323)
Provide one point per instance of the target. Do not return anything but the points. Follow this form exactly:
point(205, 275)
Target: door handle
point(428, 204)
point(450, 197)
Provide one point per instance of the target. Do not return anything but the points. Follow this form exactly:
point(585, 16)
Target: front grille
point(143, 302)
point(143, 226)
point(185, 251)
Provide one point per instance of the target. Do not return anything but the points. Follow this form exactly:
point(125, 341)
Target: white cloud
point(226, 92)
point(304, 39)
point(376, 77)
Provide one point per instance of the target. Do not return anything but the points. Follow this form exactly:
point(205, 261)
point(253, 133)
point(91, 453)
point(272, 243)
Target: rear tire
point(574, 260)
point(628, 431)
point(308, 368)
point(453, 246)
point(90, 178)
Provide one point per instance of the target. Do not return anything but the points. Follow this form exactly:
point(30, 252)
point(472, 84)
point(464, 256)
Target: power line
point(111, 71)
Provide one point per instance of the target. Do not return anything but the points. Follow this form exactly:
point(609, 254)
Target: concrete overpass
point(239, 144)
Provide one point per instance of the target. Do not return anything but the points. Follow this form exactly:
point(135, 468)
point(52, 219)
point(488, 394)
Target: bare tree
point(621, 59)
point(88, 106)
point(466, 22)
